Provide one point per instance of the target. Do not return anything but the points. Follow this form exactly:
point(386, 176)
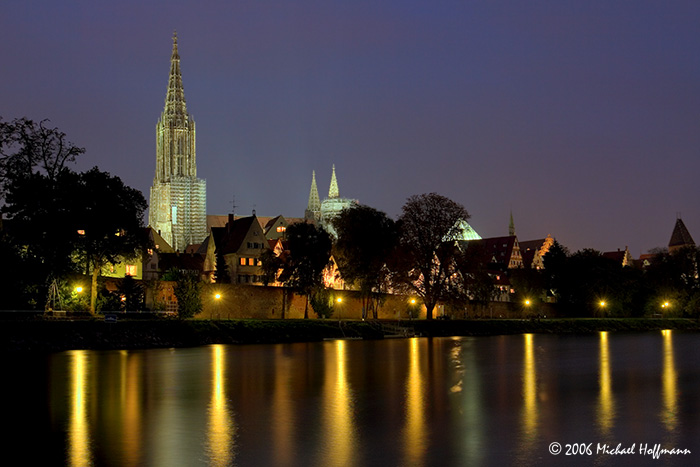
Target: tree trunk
point(93, 288)
point(429, 310)
point(306, 308)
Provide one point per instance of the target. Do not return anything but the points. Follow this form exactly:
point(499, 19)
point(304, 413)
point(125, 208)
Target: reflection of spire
point(314, 201)
point(333, 191)
point(175, 98)
point(511, 226)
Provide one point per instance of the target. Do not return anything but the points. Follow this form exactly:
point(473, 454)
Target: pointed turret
point(680, 237)
point(333, 190)
point(511, 226)
point(175, 106)
point(313, 210)
point(314, 200)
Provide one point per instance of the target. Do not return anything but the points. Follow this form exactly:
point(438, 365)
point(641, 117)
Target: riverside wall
point(248, 301)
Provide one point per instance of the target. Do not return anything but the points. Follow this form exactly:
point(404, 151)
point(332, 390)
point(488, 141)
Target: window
point(150, 252)
point(130, 269)
point(81, 232)
point(259, 262)
point(281, 229)
point(251, 261)
point(242, 261)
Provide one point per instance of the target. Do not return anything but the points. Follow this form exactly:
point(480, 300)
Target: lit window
point(259, 262)
point(150, 252)
point(81, 232)
point(130, 269)
point(251, 261)
point(242, 261)
point(281, 228)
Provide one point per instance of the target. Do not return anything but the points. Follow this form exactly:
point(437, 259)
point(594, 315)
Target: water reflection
point(414, 430)
point(606, 402)
point(529, 411)
point(457, 401)
point(669, 380)
point(339, 428)
point(79, 453)
point(220, 430)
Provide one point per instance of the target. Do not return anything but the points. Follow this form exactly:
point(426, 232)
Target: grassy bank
point(127, 334)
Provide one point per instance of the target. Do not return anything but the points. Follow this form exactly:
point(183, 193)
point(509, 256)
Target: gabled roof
point(236, 233)
point(495, 250)
point(680, 236)
point(159, 242)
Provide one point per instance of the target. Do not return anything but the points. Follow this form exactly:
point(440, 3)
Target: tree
point(429, 226)
point(309, 254)
point(271, 264)
point(222, 274)
point(111, 221)
point(188, 292)
point(366, 240)
point(28, 148)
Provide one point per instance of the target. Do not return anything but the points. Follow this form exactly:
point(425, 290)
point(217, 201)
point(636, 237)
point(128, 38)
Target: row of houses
point(239, 242)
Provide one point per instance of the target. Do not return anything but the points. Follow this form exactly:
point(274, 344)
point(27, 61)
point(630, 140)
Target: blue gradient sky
point(580, 116)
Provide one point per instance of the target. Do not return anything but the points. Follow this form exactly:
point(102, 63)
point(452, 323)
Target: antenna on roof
point(233, 205)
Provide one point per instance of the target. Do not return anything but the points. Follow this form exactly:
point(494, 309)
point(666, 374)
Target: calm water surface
point(450, 401)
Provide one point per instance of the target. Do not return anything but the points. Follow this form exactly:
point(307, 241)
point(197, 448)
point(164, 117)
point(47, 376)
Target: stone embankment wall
point(249, 301)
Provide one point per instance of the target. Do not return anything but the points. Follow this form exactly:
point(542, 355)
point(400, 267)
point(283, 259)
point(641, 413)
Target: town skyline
point(580, 119)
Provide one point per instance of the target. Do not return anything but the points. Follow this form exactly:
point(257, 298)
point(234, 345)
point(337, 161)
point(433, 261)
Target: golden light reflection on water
point(79, 453)
point(220, 430)
point(606, 402)
point(415, 429)
point(338, 404)
point(529, 412)
point(132, 409)
point(669, 380)
point(283, 429)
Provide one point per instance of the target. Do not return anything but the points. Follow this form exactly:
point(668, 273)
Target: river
point(607, 399)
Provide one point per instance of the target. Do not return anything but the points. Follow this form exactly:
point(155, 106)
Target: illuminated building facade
point(178, 198)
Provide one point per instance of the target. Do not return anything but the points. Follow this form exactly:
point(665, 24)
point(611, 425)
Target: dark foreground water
point(451, 401)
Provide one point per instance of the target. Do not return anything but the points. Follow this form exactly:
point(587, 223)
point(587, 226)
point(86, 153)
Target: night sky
point(582, 117)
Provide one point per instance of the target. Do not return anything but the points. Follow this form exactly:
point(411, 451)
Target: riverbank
point(57, 335)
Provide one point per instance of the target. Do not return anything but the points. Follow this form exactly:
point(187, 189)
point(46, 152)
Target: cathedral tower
point(178, 198)
point(313, 210)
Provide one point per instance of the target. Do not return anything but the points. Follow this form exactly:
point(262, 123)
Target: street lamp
point(339, 300)
point(602, 305)
point(79, 289)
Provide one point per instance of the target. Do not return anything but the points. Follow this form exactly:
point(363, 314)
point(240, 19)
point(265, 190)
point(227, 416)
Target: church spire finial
point(175, 97)
point(333, 190)
point(511, 226)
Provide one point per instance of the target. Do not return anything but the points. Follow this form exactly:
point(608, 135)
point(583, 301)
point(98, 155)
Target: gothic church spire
point(333, 190)
point(175, 106)
point(314, 200)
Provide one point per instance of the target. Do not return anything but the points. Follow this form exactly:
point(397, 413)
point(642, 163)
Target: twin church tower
point(178, 200)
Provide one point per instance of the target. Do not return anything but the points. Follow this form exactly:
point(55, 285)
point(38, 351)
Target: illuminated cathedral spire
point(333, 190)
point(177, 209)
point(313, 210)
point(175, 106)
